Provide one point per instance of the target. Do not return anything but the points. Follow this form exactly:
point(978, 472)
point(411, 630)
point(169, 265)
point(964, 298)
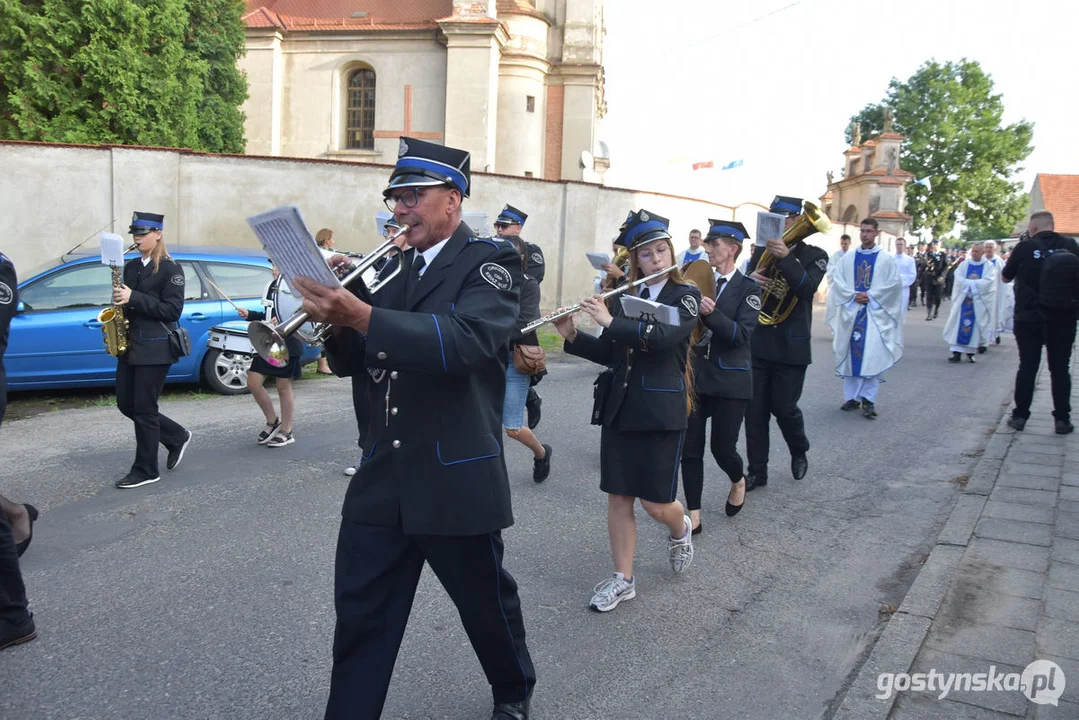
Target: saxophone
point(113, 322)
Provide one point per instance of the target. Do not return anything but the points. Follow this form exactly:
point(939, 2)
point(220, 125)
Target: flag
point(703, 165)
point(925, 181)
point(732, 164)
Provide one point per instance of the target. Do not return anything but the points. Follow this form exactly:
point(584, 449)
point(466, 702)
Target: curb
point(905, 632)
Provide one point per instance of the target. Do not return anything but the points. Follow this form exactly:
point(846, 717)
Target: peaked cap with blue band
point(512, 216)
point(727, 229)
point(786, 205)
point(391, 222)
point(144, 222)
point(424, 164)
point(642, 227)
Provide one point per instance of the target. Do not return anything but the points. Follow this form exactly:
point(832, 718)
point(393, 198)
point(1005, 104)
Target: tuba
point(777, 303)
point(700, 273)
point(113, 323)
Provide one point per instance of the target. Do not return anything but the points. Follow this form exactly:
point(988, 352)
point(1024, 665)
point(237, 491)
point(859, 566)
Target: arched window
point(851, 215)
point(360, 115)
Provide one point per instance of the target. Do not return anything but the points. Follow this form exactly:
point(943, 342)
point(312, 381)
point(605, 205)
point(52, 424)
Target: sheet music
point(769, 227)
point(291, 246)
point(636, 308)
point(599, 259)
point(112, 249)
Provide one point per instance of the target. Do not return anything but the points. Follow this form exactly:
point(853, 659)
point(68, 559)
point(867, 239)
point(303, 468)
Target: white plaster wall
point(262, 64)
point(472, 97)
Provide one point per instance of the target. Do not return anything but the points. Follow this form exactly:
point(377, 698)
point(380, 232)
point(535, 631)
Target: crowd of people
point(444, 360)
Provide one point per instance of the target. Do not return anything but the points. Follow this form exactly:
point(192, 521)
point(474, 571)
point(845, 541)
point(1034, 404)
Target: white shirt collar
point(146, 260)
point(653, 290)
point(874, 249)
point(430, 254)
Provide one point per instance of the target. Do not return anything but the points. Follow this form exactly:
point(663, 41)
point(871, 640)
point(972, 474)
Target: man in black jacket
point(782, 352)
point(510, 222)
point(1041, 319)
point(933, 279)
point(432, 486)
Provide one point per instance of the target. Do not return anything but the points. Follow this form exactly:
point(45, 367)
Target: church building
point(518, 83)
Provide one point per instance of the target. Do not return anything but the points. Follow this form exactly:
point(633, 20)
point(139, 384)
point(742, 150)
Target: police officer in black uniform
point(723, 375)
point(781, 353)
point(153, 298)
point(510, 222)
point(432, 486)
point(933, 279)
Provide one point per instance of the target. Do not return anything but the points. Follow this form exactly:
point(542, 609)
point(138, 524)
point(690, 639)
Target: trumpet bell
point(268, 343)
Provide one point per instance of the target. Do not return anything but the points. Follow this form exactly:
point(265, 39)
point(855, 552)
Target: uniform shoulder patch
point(753, 301)
point(178, 279)
point(690, 303)
point(537, 258)
point(6, 296)
point(822, 264)
point(496, 275)
point(492, 241)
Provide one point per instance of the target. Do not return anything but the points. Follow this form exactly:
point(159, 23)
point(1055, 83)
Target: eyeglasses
point(650, 253)
point(409, 198)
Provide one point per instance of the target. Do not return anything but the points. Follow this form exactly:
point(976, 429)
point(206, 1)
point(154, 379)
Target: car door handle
point(198, 317)
point(92, 324)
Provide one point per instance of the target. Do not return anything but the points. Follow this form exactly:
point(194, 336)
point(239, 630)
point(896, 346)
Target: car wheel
point(226, 371)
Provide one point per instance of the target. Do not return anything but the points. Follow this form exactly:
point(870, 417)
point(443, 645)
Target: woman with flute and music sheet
point(648, 394)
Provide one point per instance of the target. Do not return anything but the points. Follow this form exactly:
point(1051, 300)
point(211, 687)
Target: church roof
point(1060, 196)
point(339, 14)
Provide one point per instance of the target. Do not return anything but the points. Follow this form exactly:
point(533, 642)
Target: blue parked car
point(56, 340)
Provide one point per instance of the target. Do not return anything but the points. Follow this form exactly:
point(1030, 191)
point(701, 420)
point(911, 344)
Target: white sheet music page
point(112, 249)
point(291, 246)
point(636, 308)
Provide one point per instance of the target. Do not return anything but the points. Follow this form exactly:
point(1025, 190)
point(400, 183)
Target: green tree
point(955, 137)
point(216, 35)
point(128, 72)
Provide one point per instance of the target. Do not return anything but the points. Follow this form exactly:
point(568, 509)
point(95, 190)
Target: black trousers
point(912, 298)
point(777, 388)
point(932, 298)
point(727, 416)
point(1058, 337)
point(12, 590)
point(377, 570)
point(137, 389)
point(360, 404)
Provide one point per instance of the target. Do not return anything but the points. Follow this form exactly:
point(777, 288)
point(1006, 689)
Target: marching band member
point(432, 487)
point(645, 413)
point(278, 430)
point(723, 375)
point(153, 297)
point(782, 352)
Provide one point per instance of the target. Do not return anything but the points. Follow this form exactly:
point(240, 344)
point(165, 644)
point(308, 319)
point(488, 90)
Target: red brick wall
point(552, 166)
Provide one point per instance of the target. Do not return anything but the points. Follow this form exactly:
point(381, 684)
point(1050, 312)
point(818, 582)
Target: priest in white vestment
point(908, 272)
point(1004, 308)
point(844, 246)
point(973, 304)
point(865, 305)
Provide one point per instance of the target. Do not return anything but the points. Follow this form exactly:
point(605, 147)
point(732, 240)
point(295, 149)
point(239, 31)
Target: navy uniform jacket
point(155, 298)
point(536, 268)
point(9, 302)
point(726, 369)
point(649, 361)
point(789, 342)
point(436, 358)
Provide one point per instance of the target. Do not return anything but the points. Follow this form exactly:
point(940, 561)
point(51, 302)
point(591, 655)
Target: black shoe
point(937, 312)
point(982, 349)
point(32, 512)
point(869, 410)
point(1063, 427)
point(131, 480)
point(928, 318)
point(700, 526)
point(755, 481)
point(511, 711)
point(541, 467)
point(1017, 423)
point(955, 358)
point(849, 405)
point(533, 405)
point(730, 509)
point(799, 465)
point(177, 454)
point(998, 339)
point(970, 357)
point(12, 635)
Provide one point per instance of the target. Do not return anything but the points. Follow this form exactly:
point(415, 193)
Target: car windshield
point(78, 287)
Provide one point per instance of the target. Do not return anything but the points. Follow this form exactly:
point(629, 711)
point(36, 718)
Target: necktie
point(719, 285)
point(645, 294)
point(418, 265)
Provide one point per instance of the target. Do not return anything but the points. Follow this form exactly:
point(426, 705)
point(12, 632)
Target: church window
point(530, 103)
point(528, 173)
point(360, 126)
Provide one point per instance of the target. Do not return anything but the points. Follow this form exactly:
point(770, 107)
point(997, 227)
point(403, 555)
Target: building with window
point(518, 83)
point(1059, 194)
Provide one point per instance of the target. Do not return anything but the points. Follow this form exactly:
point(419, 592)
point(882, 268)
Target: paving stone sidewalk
point(999, 590)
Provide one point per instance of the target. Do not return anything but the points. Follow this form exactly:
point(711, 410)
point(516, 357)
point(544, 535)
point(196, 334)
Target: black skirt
point(292, 371)
point(640, 464)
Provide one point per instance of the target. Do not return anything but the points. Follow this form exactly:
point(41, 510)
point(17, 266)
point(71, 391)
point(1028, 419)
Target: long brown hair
point(676, 277)
point(159, 253)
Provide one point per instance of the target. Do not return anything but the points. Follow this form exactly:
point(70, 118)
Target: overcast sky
point(774, 82)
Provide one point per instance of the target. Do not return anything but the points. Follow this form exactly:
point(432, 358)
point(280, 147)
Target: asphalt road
point(210, 594)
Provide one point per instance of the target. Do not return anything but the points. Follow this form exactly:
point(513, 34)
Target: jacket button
point(396, 444)
point(625, 384)
point(393, 375)
point(393, 411)
point(381, 356)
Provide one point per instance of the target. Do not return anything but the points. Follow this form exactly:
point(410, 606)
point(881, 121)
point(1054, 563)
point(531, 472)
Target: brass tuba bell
point(777, 302)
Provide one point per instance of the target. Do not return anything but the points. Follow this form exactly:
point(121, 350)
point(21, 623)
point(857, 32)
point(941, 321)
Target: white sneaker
point(351, 469)
point(612, 591)
point(681, 549)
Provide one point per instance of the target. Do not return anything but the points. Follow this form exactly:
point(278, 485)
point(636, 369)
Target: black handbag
point(179, 340)
point(599, 395)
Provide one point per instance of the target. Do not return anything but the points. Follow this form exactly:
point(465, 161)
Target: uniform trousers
point(727, 415)
point(12, 590)
point(776, 390)
point(1058, 337)
point(360, 404)
point(377, 569)
point(137, 390)
point(932, 298)
point(912, 295)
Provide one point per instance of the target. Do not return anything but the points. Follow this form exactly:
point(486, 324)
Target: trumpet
point(269, 341)
point(576, 308)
